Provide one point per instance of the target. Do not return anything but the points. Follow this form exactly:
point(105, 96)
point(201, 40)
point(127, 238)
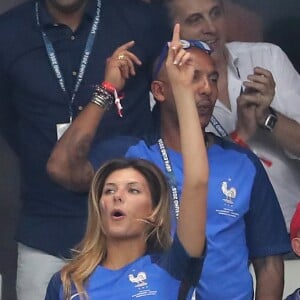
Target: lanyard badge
point(61, 127)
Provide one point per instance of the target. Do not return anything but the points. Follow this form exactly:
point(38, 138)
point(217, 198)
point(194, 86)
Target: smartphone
point(248, 90)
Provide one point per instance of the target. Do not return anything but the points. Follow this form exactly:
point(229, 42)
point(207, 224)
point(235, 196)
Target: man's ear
point(296, 245)
point(158, 90)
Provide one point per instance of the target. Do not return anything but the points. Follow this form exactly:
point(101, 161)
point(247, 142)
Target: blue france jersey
point(169, 275)
point(244, 219)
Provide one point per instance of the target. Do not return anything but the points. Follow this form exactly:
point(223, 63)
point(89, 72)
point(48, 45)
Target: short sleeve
point(265, 227)
point(117, 147)
point(53, 288)
point(180, 265)
point(287, 90)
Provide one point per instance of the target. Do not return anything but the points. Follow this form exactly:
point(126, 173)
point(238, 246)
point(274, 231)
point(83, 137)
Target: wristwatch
point(270, 120)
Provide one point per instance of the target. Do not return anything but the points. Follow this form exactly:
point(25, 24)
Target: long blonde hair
point(92, 250)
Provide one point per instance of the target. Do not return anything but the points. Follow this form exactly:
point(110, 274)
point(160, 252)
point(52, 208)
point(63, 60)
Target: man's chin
point(67, 8)
point(204, 122)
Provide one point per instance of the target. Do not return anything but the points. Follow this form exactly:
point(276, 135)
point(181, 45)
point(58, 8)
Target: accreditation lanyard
point(86, 54)
point(218, 126)
point(170, 175)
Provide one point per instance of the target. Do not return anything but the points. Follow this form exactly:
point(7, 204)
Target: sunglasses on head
point(186, 44)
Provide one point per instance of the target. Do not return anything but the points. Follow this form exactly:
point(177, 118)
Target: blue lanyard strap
point(218, 126)
point(170, 175)
point(85, 57)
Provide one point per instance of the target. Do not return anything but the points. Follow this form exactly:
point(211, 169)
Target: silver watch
point(270, 120)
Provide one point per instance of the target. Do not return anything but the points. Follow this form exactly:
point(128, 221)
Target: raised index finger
point(176, 34)
point(174, 45)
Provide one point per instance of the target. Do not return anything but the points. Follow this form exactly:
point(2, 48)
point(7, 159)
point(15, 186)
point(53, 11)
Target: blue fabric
point(161, 277)
point(239, 227)
point(294, 296)
point(32, 103)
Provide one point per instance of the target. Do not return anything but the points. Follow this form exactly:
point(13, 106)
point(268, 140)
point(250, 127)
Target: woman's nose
point(118, 196)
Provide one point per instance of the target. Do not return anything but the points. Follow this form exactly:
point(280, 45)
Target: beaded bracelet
point(108, 86)
point(102, 97)
point(112, 90)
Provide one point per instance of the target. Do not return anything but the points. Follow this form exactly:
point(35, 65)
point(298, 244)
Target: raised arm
point(192, 217)
point(68, 164)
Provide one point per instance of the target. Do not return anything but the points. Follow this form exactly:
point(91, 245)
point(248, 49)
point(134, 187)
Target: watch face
point(270, 122)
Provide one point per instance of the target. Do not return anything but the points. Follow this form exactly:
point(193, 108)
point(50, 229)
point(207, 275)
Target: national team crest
point(229, 192)
point(139, 279)
point(141, 284)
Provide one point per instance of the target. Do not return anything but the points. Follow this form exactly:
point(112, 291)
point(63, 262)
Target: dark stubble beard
point(67, 8)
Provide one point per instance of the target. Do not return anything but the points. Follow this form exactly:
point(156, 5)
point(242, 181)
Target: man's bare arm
point(269, 272)
point(68, 164)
